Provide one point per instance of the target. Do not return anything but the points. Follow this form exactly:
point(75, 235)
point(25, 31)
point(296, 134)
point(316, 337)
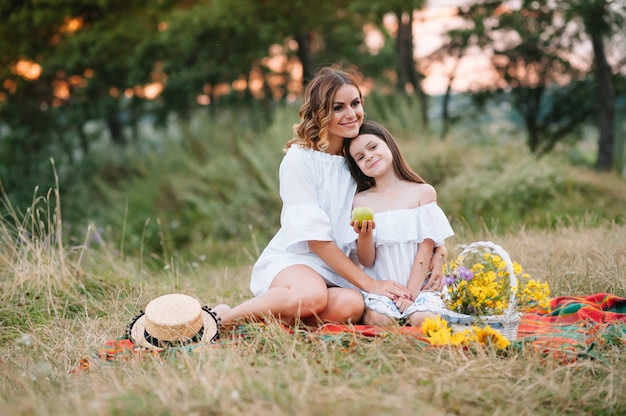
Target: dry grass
point(59, 304)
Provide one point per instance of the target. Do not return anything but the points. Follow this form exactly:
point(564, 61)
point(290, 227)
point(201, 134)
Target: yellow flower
point(441, 338)
point(430, 325)
point(489, 336)
point(438, 332)
point(464, 337)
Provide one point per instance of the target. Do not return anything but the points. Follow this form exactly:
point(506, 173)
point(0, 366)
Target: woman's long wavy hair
point(317, 108)
point(400, 165)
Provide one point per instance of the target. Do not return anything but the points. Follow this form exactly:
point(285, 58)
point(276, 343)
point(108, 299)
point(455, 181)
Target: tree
point(602, 19)
point(83, 52)
point(537, 60)
point(97, 61)
point(530, 45)
point(406, 66)
point(474, 33)
point(325, 32)
point(207, 45)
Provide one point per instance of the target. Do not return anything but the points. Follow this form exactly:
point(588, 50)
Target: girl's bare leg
point(417, 318)
point(376, 319)
point(296, 292)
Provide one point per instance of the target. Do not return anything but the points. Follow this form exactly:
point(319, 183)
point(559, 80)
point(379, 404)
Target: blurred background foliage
point(166, 119)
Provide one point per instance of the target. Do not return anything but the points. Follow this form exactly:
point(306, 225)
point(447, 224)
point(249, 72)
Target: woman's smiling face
point(347, 114)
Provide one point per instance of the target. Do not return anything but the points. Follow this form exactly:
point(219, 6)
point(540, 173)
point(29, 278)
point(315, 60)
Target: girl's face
point(347, 114)
point(371, 154)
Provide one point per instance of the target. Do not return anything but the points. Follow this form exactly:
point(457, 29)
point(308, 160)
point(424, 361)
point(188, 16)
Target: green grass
point(52, 316)
point(191, 216)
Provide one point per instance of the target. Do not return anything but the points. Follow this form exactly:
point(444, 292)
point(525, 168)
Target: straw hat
point(171, 321)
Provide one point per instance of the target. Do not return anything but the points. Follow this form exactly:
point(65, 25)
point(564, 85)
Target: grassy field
point(61, 303)
point(192, 217)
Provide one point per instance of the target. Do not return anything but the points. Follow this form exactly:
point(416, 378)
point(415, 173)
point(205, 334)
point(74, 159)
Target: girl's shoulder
point(410, 196)
point(361, 199)
point(425, 192)
point(417, 194)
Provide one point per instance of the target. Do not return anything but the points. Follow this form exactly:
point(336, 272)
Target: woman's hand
point(393, 290)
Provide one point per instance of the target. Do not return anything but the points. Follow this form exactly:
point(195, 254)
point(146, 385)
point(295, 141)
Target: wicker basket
point(508, 322)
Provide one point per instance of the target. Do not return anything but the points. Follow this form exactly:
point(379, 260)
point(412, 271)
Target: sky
point(429, 28)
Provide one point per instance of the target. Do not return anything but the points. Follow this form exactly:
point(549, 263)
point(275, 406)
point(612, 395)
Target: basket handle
point(509, 266)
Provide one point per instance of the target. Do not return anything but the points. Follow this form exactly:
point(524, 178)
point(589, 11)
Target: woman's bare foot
point(221, 311)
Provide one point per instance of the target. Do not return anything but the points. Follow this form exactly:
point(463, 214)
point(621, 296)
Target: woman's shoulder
point(296, 154)
point(299, 154)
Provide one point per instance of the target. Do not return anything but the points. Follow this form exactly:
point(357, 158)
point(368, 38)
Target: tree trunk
point(533, 135)
point(404, 51)
point(84, 142)
point(407, 72)
point(606, 107)
point(445, 113)
point(116, 130)
point(527, 102)
point(303, 37)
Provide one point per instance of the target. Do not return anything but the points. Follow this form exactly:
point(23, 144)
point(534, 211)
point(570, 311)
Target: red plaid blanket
point(571, 330)
point(574, 327)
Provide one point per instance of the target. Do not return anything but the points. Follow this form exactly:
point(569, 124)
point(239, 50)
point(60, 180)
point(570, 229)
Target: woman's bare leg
point(296, 292)
point(344, 306)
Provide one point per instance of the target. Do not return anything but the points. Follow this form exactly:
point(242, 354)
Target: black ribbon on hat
point(165, 344)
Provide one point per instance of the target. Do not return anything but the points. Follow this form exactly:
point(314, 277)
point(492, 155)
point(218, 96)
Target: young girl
point(409, 225)
point(301, 271)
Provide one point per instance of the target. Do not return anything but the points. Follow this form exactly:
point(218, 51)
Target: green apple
point(362, 214)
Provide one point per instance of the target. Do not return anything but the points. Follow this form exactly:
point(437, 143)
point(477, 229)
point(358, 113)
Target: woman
point(300, 273)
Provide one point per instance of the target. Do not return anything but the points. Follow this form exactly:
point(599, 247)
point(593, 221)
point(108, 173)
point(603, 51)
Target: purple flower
point(449, 280)
point(465, 273)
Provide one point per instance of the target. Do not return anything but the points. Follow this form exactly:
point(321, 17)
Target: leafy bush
point(207, 185)
point(502, 190)
point(204, 185)
point(435, 160)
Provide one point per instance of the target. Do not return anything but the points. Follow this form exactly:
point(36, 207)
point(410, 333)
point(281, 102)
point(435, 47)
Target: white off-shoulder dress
point(317, 191)
point(397, 236)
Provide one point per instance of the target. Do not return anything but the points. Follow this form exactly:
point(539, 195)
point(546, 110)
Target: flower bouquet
point(493, 290)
